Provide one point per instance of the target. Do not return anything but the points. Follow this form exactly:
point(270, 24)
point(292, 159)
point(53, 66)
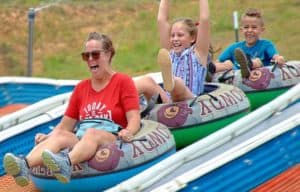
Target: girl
point(185, 52)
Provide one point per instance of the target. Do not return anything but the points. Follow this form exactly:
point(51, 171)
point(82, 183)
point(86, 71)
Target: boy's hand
point(279, 60)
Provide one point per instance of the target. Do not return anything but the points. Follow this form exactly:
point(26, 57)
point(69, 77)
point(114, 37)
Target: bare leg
point(147, 86)
point(180, 92)
point(174, 85)
point(58, 140)
point(88, 144)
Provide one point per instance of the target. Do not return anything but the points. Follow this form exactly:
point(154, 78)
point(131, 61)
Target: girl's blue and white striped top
point(189, 69)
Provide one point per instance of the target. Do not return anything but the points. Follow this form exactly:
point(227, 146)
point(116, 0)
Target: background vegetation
point(61, 28)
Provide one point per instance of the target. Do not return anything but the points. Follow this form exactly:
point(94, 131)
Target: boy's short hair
point(252, 12)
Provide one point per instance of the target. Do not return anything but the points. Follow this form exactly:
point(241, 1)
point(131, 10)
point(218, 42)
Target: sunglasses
point(95, 55)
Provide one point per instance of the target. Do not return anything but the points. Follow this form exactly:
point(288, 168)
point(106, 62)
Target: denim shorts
point(99, 124)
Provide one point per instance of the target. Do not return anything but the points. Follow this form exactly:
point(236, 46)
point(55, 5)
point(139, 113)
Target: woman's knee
point(62, 136)
point(98, 136)
point(91, 132)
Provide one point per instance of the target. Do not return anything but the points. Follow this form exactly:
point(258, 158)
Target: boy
point(253, 52)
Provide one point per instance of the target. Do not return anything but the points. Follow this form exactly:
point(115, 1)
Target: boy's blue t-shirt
point(263, 49)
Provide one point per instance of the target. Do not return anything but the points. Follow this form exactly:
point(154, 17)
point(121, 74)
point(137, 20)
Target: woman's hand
point(39, 137)
point(126, 135)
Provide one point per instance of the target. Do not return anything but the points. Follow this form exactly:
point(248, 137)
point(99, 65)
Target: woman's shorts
point(99, 124)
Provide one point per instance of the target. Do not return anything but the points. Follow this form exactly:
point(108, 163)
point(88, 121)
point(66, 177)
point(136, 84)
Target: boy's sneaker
point(241, 58)
point(16, 167)
point(59, 164)
point(164, 61)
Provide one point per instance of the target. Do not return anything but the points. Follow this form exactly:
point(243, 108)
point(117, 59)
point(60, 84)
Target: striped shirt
point(187, 67)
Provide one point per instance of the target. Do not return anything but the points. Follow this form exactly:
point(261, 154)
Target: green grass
point(60, 30)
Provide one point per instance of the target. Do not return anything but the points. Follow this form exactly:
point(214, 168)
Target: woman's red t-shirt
point(112, 102)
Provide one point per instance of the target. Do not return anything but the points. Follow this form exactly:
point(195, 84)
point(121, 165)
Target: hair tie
point(197, 23)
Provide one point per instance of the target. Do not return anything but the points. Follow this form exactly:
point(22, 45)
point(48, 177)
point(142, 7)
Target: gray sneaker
point(16, 167)
point(59, 164)
point(242, 59)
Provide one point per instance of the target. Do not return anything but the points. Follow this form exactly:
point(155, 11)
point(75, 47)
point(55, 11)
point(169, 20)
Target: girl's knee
point(151, 80)
point(179, 83)
point(148, 82)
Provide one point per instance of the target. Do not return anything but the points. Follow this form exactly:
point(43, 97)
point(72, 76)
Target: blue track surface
point(29, 93)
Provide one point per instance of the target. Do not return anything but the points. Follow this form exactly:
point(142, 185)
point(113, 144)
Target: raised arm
point(163, 24)
point(203, 36)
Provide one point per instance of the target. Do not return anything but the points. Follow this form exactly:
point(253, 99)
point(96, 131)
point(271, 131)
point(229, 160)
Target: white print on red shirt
point(96, 110)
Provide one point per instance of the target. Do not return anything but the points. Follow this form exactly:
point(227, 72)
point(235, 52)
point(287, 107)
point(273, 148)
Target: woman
point(108, 97)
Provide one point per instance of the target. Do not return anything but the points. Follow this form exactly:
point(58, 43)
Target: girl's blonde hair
point(192, 29)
